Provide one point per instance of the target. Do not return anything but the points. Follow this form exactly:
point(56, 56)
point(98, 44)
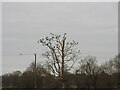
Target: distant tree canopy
point(112, 65)
point(89, 66)
point(89, 75)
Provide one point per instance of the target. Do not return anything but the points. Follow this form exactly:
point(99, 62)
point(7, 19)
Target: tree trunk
point(63, 84)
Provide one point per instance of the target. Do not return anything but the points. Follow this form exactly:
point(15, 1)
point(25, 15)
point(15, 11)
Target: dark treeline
point(59, 71)
point(88, 75)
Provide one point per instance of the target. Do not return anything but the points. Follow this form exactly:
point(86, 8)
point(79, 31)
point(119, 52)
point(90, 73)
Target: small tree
point(59, 54)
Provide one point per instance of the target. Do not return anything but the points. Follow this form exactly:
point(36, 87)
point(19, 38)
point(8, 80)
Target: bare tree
point(111, 66)
point(88, 66)
point(108, 67)
point(116, 63)
point(60, 53)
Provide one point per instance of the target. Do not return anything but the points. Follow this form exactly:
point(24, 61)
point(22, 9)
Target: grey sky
point(93, 25)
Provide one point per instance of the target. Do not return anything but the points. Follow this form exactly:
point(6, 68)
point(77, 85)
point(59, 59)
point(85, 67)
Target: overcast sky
point(93, 25)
